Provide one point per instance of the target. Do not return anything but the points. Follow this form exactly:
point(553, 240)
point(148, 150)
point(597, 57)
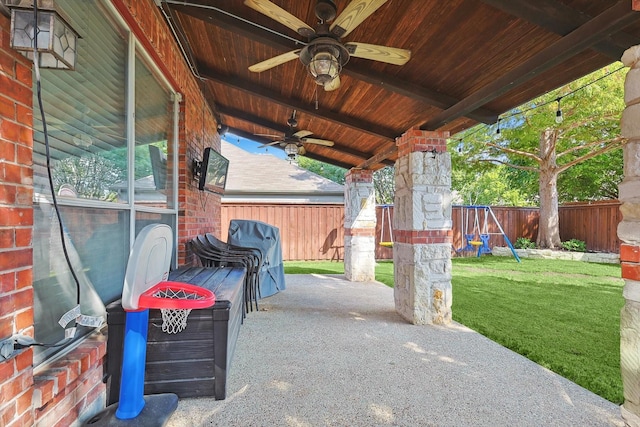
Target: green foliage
point(331, 172)
point(591, 114)
point(524, 243)
point(91, 176)
point(575, 245)
point(490, 187)
point(384, 184)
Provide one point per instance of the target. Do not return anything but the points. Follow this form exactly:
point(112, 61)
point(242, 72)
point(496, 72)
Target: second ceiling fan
point(293, 140)
point(325, 55)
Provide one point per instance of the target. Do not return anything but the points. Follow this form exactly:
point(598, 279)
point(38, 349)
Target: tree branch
point(589, 145)
point(513, 151)
point(511, 165)
point(618, 142)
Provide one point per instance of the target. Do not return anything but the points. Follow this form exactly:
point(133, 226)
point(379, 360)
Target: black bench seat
point(196, 361)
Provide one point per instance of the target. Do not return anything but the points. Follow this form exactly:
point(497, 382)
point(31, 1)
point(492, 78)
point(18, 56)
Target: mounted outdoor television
point(213, 171)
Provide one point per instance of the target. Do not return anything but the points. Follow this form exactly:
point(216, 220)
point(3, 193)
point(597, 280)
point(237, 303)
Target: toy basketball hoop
point(175, 301)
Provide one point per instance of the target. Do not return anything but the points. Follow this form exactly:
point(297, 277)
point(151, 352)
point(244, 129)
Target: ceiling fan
point(293, 140)
point(325, 55)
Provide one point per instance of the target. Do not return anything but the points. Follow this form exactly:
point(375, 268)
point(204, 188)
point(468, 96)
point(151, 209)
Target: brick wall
point(16, 225)
point(71, 388)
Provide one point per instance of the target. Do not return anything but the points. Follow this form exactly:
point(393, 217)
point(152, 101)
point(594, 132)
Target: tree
point(384, 185)
point(326, 170)
point(530, 140)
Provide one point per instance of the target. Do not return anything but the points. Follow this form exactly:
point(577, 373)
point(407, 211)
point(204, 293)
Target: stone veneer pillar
point(422, 228)
point(359, 226)
point(629, 234)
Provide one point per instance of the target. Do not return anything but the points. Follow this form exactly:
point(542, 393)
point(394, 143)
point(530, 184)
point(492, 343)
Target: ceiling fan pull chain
point(316, 93)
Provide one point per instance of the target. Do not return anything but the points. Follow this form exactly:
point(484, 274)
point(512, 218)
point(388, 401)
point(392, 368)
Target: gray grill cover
point(265, 237)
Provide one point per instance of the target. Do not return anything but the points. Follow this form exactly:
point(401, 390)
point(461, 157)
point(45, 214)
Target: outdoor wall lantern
point(57, 40)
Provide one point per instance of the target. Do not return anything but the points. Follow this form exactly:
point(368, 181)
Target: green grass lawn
point(563, 315)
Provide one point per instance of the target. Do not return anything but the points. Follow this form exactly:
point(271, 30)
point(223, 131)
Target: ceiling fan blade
point(302, 133)
point(275, 61)
point(271, 143)
point(353, 15)
point(301, 151)
point(324, 142)
point(390, 55)
point(269, 135)
point(332, 85)
point(282, 16)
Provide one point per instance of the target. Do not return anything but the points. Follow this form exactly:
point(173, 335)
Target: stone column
point(359, 226)
point(422, 228)
point(629, 234)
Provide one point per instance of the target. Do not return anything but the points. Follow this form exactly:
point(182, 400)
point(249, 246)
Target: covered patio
point(175, 75)
point(332, 352)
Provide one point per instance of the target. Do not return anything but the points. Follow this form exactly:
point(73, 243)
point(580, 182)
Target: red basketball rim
point(205, 298)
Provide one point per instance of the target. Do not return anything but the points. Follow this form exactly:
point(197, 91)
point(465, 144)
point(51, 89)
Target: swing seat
point(386, 244)
point(476, 243)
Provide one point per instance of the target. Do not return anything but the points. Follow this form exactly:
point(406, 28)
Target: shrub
point(575, 245)
point(524, 243)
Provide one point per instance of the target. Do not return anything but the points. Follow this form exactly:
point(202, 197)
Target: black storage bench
point(194, 362)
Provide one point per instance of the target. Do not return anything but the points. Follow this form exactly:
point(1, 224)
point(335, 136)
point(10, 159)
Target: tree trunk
point(548, 225)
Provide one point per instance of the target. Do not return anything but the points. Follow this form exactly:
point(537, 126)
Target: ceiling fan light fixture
point(324, 67)
point(291, 150)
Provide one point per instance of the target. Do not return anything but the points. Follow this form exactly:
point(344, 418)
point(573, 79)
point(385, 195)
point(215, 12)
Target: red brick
point(23, 237)
point(7, 368)
point(44, 388)
point(24, 155)
point(24, 359)
point(8, 194)
point(7, 64)
point(24, 278)
point(16, 217)
point(24, 196)
point(14, 259)
point(8, 151)
point(8, 415)
point(630, 253)
point(13, 387)
point(24, 319)
point(23, 74)
point(630, 271)
point(12, 89)
point(6, 323)
point(7, 238)
point(24, 115)
point(7, 283)
point(7, 107)
point(24, 401)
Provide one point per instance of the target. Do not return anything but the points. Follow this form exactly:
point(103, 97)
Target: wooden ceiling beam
point(401, 87)
point(379, 157)
point(562, 19)
point(250, 118)
point(275, 97)
point(618, 16)
point(247, 135)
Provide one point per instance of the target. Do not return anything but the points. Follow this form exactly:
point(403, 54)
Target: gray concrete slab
point(329, 352)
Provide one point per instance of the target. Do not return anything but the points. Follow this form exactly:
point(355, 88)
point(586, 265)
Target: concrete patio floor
point(329, 352)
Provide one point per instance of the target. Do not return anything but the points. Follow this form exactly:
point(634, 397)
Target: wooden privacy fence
point(316, 232)
point(307, 232)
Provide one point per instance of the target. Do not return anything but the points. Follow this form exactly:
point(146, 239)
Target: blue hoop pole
point(133, 365)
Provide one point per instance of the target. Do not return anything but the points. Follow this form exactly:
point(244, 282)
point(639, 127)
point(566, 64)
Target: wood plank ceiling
point(471, 60)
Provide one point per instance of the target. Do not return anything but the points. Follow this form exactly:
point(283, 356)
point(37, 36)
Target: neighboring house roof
point(266, 178)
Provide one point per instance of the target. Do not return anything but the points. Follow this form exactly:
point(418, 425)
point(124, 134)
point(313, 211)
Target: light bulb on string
point(498, 129)
point(559, 117)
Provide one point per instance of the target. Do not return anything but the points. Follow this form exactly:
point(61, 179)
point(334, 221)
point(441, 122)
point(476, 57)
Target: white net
point(174, 320)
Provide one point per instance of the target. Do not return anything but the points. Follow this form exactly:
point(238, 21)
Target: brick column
point(629, 234)
point(422, 228)
point(359, 226)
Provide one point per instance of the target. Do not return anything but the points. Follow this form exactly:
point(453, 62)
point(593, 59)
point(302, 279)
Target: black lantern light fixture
point(324, 58)
point(57, 41)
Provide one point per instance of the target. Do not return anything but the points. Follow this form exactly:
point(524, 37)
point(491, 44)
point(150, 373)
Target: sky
point(252, 146)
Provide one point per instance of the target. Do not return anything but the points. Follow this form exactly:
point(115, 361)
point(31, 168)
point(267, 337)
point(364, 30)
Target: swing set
point(477, 239)
point(386, 214)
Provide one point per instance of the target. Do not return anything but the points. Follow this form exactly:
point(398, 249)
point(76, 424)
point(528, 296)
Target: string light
point(498, 128)
point(559, 112)
point(559, 116)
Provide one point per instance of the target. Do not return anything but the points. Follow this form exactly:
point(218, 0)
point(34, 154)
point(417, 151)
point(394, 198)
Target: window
point(100, 155)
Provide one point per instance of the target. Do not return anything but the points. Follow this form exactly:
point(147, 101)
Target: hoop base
point(156, 412)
